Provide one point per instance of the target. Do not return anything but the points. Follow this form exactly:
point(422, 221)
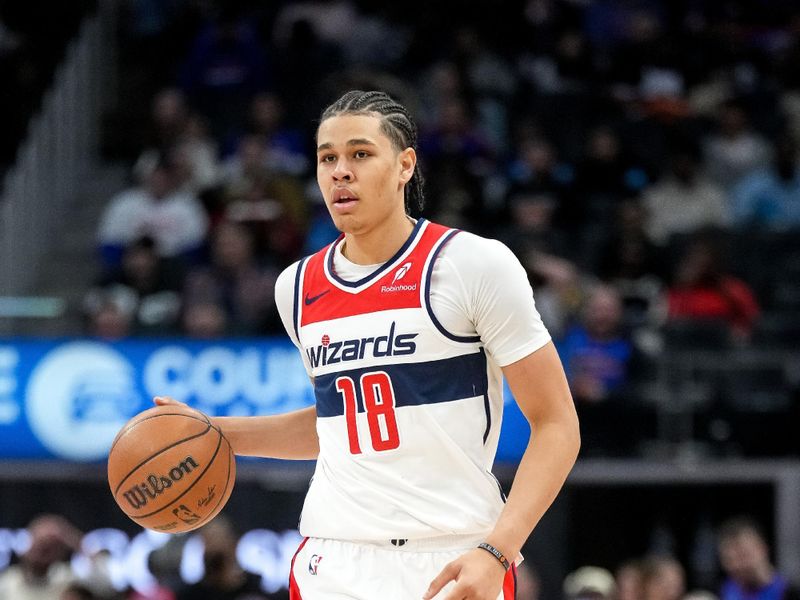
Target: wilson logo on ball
point(155, 485)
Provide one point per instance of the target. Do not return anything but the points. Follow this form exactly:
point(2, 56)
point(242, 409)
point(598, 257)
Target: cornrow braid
point(396, 124)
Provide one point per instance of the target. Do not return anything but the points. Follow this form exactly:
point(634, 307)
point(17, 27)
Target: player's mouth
point(344, 200)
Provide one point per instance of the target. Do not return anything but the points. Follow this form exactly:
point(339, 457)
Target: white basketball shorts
point(324, 569)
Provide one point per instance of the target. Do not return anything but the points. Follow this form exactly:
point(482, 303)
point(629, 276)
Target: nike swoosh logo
point(312, 299)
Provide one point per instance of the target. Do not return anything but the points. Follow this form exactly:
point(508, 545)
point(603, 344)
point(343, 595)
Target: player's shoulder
point(473, 251)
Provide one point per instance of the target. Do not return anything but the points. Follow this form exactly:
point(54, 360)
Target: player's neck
point(380, 243)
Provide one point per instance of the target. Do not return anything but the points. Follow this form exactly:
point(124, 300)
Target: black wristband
point(496, 553)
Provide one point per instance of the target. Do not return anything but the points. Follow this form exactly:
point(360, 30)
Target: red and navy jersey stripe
point(414, 384)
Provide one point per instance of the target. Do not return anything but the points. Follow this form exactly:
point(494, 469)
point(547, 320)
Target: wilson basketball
point(170, 469)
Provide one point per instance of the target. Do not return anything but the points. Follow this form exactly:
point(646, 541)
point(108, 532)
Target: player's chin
point(346, 223)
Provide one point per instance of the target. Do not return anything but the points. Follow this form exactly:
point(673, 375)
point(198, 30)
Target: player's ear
point(408, 162)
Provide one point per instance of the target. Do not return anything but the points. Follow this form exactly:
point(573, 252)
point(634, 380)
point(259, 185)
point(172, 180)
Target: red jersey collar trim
point(356, 286)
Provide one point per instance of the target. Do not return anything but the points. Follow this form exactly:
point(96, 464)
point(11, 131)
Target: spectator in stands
point(685, 199)
point(567, 67)
point(168, 116)
point(285, 150)
point(703, 290)
point(199, 151)
point(193, 153)
point(596, 353)
point(273, 207)
point(744, 557)
point(223, 578)
point(164, 564)
point(663, 578)
point(308, 57)
point(528, 582)
point(235, 282)
point(225, 68)
point(76, 591)
point(108, 317)
point(333, 21)
point(491, 84)
point(628, 577)
point(145, 286)
point(700, 595)
point(589, 583)
point(770, 197)
point(536, 166)
point(96, 575)
point(175, 220)
point(603, 177)
point(605, 170)
point(632, 263)
point(735, 149)
point(43, 571)
point(439, 82)
point(248, 164)
point(530, 231)
point(457, 156)
point(203, 319)
point(542, 250)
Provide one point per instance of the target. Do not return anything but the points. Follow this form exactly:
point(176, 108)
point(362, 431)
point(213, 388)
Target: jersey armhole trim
point(487, 405)
point(297, 293)
point(467, 339)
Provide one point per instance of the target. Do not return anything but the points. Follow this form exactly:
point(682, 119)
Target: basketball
point(170, 469)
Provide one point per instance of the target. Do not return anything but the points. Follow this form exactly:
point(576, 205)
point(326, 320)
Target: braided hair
point(396, 124)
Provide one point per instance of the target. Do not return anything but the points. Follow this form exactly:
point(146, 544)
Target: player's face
point(361, 175)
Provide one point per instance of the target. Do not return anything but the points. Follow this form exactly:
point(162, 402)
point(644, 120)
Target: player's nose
point(342, 171)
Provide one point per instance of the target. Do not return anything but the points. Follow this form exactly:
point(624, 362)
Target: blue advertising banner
point(67, 399)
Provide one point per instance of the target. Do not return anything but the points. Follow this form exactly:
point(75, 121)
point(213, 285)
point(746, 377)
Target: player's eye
point(361, 154)
point(326, 158)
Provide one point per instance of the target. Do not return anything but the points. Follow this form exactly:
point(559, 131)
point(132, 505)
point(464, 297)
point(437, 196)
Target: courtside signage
point(67, 399)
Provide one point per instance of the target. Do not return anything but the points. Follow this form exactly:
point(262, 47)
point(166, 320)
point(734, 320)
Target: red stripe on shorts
point(294, 590)
point(509, 584)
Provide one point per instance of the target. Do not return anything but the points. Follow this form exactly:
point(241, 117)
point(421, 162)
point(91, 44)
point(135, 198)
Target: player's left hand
point(477, 575)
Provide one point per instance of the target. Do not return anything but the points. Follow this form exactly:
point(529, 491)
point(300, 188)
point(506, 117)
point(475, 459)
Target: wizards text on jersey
point(392, 344)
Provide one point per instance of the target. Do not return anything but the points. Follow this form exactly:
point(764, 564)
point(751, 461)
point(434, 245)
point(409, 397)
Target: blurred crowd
point(640, 157)
point(45, 570)
point(741, 569)
point(744, 560)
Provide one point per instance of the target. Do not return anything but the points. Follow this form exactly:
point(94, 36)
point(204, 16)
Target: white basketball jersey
point(408, 414)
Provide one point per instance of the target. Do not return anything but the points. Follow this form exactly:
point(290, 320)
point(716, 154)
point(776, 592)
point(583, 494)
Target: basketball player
point(407, 329)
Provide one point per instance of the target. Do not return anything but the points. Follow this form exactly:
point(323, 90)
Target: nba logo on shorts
point(313, 564)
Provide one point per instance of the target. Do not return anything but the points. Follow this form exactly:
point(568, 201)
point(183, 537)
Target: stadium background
point(619, 148)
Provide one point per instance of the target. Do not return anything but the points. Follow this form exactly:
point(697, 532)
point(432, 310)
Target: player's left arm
point(498, 300)
point(540, 388)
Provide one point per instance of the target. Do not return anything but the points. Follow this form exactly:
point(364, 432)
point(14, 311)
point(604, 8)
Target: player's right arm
point(291, 436)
